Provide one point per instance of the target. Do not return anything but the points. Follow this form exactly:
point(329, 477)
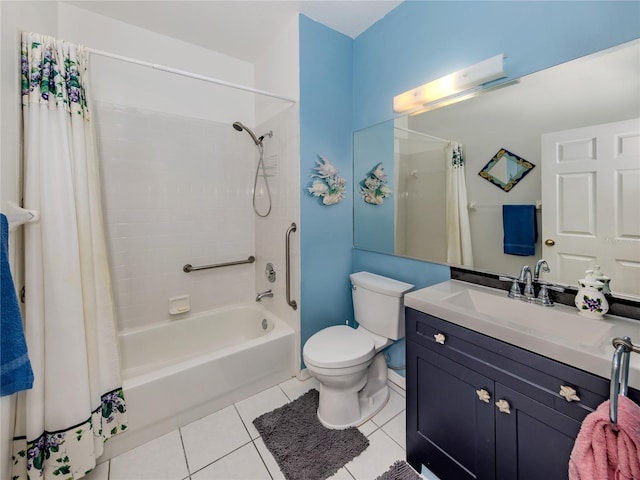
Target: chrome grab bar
point(291, 303)
point(619, 373)
point(190, 268)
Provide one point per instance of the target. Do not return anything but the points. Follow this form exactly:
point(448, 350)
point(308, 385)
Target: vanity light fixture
point(455, 83)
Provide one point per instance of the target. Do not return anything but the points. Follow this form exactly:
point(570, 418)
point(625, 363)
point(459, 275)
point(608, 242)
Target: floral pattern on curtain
point(54, 448)
point(76, 402)
point(47, 80)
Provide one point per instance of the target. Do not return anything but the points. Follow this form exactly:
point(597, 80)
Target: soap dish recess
point(180, 304)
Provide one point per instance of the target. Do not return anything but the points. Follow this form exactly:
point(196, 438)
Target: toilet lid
point(337, 347)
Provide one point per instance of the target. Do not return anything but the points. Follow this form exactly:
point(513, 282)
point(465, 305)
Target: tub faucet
point(261, 295)
point(525, 276)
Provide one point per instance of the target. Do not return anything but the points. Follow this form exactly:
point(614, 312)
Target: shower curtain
point(76, 403)
point(457, 215)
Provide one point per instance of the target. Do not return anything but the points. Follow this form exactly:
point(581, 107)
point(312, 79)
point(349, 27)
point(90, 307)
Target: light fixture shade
point(452, 84)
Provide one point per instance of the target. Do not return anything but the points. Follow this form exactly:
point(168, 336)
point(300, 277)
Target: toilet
point(348, 362)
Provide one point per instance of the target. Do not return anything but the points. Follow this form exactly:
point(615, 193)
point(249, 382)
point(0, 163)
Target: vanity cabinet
point(483, 409)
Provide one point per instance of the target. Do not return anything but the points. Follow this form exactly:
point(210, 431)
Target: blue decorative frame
point(523, 167)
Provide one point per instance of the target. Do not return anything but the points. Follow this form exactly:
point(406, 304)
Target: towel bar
point(17, 215)
point(619, 373)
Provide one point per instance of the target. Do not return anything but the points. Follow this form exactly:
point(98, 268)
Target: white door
point(591, 203)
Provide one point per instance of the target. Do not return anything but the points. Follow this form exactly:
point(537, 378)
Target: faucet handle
point(507, 278)
point(551, 286)
point(543, 296)
point(514, 292)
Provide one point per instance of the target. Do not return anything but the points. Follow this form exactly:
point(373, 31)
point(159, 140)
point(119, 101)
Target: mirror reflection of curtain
point(458, 231)
point(76, 402)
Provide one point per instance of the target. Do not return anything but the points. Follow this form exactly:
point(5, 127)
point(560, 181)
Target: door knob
point(503, 406)
point(549, 242)
point(483, 395)
point(569, 393)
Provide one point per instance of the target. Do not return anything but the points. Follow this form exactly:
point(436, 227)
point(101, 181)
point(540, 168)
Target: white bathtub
point(178, 372)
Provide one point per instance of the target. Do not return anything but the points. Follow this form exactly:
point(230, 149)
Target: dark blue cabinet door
point(533, 441)
point(449, 429)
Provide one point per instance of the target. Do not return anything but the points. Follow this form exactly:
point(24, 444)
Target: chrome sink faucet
point(541, 266)
point(528, 279)
point(525, 276)
point(261, 295)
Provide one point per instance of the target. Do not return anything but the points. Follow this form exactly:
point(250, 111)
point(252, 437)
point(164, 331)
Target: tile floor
point(226, 446)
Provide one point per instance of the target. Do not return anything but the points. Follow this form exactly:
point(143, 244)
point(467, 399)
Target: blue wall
point(417, 42)
point(375, 229)
point(422, 40)
point(326, 238)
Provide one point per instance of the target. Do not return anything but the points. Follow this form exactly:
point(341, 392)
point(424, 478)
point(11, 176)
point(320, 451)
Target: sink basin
point(559, 321)
point(559, 332)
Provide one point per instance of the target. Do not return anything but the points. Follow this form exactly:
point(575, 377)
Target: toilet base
point(369, 407)
point(339, 409)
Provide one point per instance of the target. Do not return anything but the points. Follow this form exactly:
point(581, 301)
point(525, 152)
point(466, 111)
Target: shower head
point(240, 127)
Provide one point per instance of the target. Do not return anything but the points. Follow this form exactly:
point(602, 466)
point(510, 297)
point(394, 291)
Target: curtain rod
point(184, 73)
point(415, 132)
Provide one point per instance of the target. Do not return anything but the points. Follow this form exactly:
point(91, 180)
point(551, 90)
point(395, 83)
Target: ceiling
point(239, 28)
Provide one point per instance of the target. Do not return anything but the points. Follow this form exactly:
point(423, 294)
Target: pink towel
point(606, 452)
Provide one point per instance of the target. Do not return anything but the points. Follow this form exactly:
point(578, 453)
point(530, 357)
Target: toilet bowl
point(349, 363)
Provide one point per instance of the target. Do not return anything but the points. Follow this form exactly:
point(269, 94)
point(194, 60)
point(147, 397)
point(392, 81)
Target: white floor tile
point(377, 458)
point(342, 474)
point(101, 472)
point(212, 437)
point(243, 464)
point(399, 390)
point(293, 388)
point(270, 462)
point(160, 459)
point(394, 406)
point(258, 404)
point(367, 428)
point(396, 429)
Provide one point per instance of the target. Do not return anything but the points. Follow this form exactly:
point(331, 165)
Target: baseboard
point(304, 375)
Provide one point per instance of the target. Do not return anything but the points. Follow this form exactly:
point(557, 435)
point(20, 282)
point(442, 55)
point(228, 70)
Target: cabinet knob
point(440, 338)
point(483, 395)
point(569, 393)
point(503, 406)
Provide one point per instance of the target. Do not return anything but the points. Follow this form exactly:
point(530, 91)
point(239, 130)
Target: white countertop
point(594, 355)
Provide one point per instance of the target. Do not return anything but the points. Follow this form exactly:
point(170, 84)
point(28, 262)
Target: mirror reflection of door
point(591, 193)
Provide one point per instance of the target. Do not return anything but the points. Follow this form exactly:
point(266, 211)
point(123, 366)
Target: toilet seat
point(338, 347)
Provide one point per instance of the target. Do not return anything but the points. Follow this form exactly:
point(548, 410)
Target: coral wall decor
point(327, 184)
point(374, 187)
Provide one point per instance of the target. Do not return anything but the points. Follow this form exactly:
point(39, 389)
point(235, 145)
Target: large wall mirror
point(577, 123)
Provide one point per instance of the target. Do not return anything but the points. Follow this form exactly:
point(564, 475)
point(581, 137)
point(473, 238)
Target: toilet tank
point(378, 303)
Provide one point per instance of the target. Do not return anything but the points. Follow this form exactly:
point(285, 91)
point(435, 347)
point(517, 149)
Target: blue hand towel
point(15, 367)
point(520, 229)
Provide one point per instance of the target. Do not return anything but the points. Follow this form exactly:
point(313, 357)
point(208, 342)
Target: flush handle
point(483, 395)
point(569, 393)
point(440, 338)
point(503, 406)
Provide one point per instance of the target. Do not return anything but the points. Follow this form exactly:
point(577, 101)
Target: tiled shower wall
point(176, 190)
point(281, 153)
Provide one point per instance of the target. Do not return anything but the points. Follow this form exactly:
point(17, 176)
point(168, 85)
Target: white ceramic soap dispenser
point(590, 299)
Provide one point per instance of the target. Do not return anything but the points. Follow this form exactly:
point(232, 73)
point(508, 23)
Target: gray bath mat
point(400, 470)
point(302, 446)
